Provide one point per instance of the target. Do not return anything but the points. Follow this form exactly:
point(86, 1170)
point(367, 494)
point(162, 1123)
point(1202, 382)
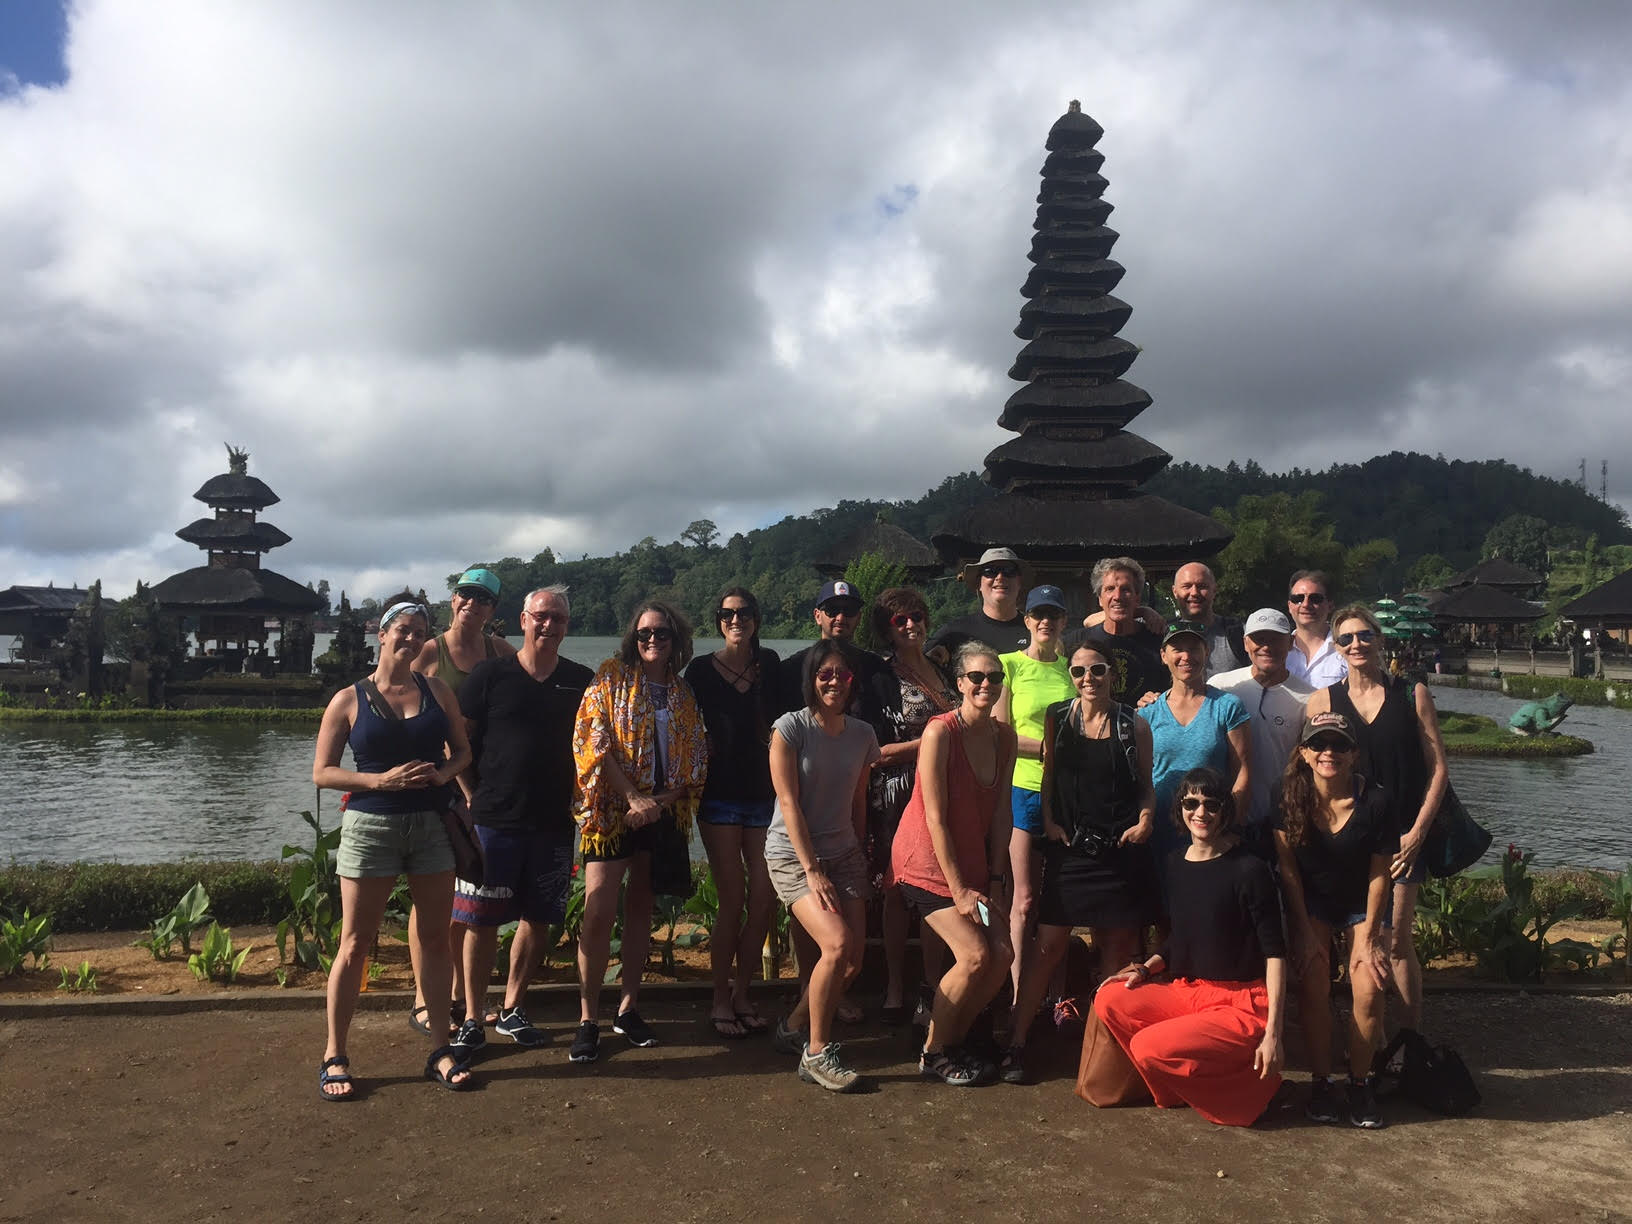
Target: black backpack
point(1435, 1077)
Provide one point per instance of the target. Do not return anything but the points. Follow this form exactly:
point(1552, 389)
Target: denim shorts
point(748, 813)
point(376, 844)
point(1027, 806)
point(1342, 922)
point(526, 875)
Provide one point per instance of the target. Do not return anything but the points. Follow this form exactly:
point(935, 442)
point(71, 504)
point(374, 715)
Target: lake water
point(157, 792)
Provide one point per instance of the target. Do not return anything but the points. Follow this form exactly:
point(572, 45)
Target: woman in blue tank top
point(408, 744)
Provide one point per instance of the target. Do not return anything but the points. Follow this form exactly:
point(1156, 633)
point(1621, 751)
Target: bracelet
point(1142, 969)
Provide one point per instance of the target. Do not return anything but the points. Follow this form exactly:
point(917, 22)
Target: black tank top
point(1390, 747)
point(1092, 786)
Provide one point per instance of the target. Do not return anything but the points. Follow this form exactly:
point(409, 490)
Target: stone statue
point(1539, 717)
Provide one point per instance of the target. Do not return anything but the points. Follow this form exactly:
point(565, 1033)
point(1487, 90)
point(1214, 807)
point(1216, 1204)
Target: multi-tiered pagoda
point(232, 598)
point(1069, 484)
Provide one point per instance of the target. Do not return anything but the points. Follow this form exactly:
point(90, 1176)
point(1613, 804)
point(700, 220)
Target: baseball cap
point(1267, 620)
point(485, 579)
point(1326, 722)
point(837, 590)
point(1181, 627)
point(1045, 596)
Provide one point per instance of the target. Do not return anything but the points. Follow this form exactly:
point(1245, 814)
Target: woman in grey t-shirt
point(819, 763)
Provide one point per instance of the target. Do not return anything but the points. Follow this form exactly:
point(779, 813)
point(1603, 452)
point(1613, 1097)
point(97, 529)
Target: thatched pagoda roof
point(239, 535)
point(1038, 455)
point(41, 599)
point(1484, 605)
point(222, 589)
point(1497, 572)
point(888, 541)
point(1609, 603)
point(1112, 404)
point(1055, 530)
point(236, 491)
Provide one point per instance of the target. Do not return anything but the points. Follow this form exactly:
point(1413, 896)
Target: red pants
point(1193, 1043)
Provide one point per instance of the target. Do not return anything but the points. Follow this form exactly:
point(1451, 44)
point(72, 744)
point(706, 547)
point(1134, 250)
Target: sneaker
point(470, 1038)
point(788, 1040)
point(948, 1066)
point(514, 1024)
point(1363, 1111)
point(586, 1044)
point(1323, 1106)
point(1012, 1067)
point(638, 1032)
point(826, 1069)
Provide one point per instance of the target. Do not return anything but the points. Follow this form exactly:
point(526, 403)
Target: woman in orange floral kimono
point(642, 759)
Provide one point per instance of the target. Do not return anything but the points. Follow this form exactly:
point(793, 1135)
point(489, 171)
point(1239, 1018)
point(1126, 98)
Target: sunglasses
point(827, 675)
point(661, 634)
point(1094, 671)
point(477, 595)
point(1329, 743)
point(733, 614)
point(1313, 597)
point(841, 609)
point(1000, 569)
point(1047, 613)
point(902, 619)
point(1191, 802)
point(1365, 637)
point(977, 678)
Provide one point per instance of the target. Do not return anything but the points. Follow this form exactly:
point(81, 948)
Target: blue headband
point(397, 609)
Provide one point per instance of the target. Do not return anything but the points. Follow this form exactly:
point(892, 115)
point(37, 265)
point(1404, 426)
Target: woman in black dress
point(1398, 749)
point(732, 688)
point(1098, 813)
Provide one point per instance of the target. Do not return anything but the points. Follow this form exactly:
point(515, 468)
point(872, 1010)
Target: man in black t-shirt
point(520, 711)
point(1000, 578)
point(1133, 651)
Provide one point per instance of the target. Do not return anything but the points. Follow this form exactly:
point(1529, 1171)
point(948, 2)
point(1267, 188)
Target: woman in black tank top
point(1399, 750)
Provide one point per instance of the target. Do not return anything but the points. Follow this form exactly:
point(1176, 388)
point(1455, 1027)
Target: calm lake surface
point(160, 792)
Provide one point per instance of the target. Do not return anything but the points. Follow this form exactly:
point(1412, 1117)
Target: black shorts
point(630, 843)
point(921, 901)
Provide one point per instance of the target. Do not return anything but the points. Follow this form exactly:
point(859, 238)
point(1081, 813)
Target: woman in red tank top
point(950, 859)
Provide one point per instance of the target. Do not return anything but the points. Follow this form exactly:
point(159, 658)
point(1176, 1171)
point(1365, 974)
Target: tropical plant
point(25, 938)
point(215, 960)
point(82, 981)
point(185, 917)
point(313, 920)
point(1514, 931)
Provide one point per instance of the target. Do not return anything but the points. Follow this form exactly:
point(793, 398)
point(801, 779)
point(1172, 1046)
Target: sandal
point(419, 1019)
point(753, 1023)
point(947, 1068)
point(446, 1078)
point(849, 1013)
point(729, 1027)
point(325, 1077)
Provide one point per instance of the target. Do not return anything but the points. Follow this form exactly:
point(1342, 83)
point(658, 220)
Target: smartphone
point(985, 914)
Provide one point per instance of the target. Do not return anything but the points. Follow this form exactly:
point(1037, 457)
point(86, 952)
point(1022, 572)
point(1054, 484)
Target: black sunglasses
point(1000, 569)
point(734, 614)
point(1314, 597)
point(1097, 671)
point(661, 634)
point(477, 595)
point(1329, 743)
point(1365, 636)
point(841, 608)
point(978, 678)
point(1191, 802)
point(902, 619)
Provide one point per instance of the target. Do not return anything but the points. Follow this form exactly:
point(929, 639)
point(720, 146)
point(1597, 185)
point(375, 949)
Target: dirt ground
point(214, 1115)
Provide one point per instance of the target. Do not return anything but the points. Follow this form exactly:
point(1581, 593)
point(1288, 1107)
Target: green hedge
point(141, 714)
point(129, 896)
point(1478, 736)
point(1616, 693)
point(1557, 886)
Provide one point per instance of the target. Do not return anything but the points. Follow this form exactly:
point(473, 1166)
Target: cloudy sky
point(473, 280)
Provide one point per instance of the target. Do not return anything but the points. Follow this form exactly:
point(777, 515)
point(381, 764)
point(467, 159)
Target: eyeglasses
point(733, 614)
point(976, 678)
point(902, 619)
point(1094, 671)
point(1000, 569)
point(1313, 597)
point(827, 675)
point(1365, 637)
point(661, 634)
point(840, 609)
point(1329, 743)
point(1191, 802)
point(548, 614)
point(477, 595)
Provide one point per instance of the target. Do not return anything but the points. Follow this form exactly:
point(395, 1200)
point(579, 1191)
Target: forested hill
point(1429, 508)
point(1425, 505)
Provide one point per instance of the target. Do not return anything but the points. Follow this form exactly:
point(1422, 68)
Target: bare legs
point(1314, 1003)
point(1025, 865)
point(736, 856)
point(456, 956)
point(1118, 946)
point(601, 882)
point(838, 939)
point(980, 968)
point(1403, 953)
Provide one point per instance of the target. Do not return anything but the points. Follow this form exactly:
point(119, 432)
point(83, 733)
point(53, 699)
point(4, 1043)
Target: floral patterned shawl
point(617, 716)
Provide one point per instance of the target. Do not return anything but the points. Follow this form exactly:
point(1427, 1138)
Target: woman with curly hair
point(642, 757)
point(1202, 1019)
point(1335, 839)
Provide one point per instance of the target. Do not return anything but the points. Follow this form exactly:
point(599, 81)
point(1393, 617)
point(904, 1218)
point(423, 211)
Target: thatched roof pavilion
point(1069, 484)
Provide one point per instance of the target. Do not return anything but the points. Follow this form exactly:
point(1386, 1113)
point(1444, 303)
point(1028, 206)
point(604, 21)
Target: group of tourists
point(1219, 802)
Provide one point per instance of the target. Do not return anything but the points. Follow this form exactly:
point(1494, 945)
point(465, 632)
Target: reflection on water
point(166, 791)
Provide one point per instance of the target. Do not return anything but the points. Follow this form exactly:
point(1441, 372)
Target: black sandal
point(419, 1019)
point(325, 1077)
point(445, 1078)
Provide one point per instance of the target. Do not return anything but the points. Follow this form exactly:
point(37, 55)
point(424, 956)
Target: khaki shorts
point(402, 843)
point(848, 872)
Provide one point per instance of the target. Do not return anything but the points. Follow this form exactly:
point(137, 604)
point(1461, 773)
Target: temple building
point(1068, 486)
point(229, 601)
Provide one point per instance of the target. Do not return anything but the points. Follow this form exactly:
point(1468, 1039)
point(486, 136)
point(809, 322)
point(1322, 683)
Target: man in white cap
point(1275, 699)
point(1000, 578)
point(837, 613)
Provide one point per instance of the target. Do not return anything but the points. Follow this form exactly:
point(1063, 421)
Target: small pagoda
point(1068, 486)
point(232, 598)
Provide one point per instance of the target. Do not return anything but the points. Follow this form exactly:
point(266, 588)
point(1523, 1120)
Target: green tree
point(1521, 539)
point(1431, 570)
point(1275, 536)
point(701, 534)
point(870, 573)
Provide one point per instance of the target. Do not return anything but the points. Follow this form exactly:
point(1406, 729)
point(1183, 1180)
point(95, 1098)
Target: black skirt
point(1116, 889)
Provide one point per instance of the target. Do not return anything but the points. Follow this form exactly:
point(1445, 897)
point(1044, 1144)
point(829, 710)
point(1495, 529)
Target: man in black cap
point(838, 614)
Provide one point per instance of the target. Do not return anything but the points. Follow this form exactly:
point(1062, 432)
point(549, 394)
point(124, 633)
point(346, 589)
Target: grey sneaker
point(826, 1069)
point(1363, 1111)
point(1324, 1106)
point(470, 1038)
point(586, 1045)
point(514, 1024)
point(788, 1040)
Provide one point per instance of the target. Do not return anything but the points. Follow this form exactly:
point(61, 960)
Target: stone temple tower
point(1068, 486)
